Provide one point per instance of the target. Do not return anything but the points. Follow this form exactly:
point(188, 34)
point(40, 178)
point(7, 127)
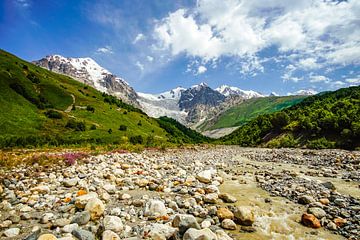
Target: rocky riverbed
point(199, 193)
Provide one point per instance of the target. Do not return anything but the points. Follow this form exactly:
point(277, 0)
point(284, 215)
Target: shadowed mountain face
point(200, 95)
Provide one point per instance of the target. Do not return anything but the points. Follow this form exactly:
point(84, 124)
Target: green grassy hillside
point(37, 108)
point(249, 109)
point(328, 120)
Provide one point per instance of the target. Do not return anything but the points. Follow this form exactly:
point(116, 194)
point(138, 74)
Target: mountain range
point(192, 106)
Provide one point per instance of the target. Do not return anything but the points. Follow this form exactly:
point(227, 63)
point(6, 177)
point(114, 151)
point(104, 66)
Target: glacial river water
point(280, 219)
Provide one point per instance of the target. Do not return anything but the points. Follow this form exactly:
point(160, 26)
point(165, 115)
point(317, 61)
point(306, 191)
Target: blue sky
point(268, 46)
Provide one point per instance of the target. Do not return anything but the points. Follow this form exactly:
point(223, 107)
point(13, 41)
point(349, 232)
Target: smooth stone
point(211, 198)
point(110, 235)
point(12, 232)
point(203, 234)
point(227, 198)
point(81, 218)
point(155, 208)
point(70, 182)
point(317, 212)
point(306, 199)
point(205, 176)
point(228, 224)
point(113, 223)
point(70, 227)
point(83, 234)
point(310, 220)
point(95, 207)
point(224, 213)
point(47, 236)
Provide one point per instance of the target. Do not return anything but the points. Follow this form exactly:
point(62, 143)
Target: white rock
point(110, 188)
point(70, 227)
point(41, 189)
point(155, 208)
point(194, 234)
point(211, 198)
point(205, 176)
point(110, 235)
point(228, 224)
point(12, 232)
point(113, 223)
point(205, 224)
point(70, 182)
point(95, 207)
point(160, 231)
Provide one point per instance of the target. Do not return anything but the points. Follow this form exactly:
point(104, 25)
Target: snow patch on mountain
point(304, 92)
point(232, 91)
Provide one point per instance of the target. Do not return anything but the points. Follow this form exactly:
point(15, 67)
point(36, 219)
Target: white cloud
point(150, 58)
point(353, 81)
point(308, 63)
point(317, 34)
point(318, 78)
point(105, 50)
point(23, 3)
point(201, 69)
point(138, 38)
point(140, 65)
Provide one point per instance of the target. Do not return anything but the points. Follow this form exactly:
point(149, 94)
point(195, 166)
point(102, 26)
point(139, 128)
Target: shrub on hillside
point(122, 127)
point(138, 139)
point(53, 114)
point(77, 126)
point(90, 108)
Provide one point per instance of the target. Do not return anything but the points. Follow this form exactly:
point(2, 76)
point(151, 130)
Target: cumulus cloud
point(316, 34)
point(105, 50)
point(318, 78)
point(201, 69)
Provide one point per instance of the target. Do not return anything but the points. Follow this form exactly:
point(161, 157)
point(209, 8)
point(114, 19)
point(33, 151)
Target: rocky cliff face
point(87, 71)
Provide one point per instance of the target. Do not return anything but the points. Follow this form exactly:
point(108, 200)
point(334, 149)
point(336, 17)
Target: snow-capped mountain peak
point(230, 91)
point(88, 71)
